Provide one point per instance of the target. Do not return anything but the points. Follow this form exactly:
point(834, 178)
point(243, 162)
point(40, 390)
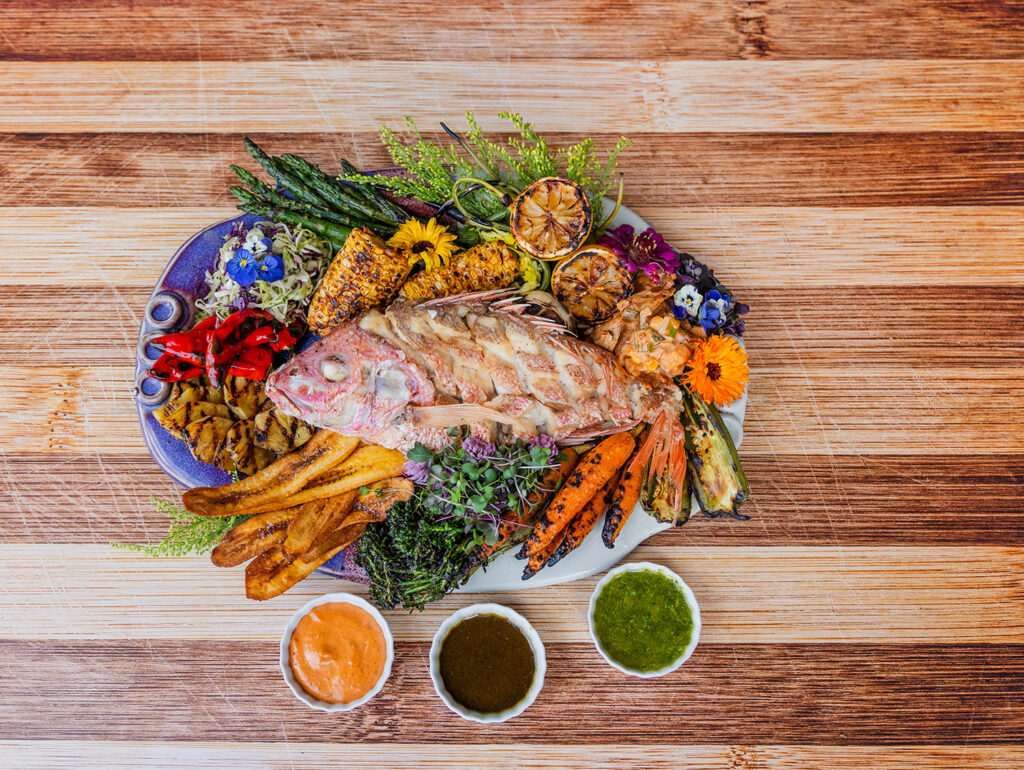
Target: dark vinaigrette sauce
point(487, 664)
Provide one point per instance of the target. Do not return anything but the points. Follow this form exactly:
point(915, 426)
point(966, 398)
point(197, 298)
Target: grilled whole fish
point(410, 372)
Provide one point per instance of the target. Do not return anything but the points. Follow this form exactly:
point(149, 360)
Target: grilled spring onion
point(716, 477)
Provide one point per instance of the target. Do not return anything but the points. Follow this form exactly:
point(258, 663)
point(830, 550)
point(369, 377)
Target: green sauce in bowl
point(642, 620)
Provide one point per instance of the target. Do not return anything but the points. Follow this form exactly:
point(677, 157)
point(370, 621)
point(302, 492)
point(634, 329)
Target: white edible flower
point(689, 298)
point(256, 241)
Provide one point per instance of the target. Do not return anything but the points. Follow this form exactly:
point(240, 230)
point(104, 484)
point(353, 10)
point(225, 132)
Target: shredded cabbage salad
point(305, 257)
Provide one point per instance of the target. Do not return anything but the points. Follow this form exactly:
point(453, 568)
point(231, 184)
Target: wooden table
point(854, 171)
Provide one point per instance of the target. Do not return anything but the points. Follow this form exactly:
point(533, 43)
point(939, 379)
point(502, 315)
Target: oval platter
point(172, 307)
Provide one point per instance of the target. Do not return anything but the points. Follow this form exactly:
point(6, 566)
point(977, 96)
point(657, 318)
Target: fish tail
point(451, 415)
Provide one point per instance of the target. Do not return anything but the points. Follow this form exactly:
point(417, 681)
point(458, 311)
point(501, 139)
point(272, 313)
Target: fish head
point(351, 381)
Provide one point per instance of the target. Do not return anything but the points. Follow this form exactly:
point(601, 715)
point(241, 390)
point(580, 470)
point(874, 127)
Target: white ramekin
point(286, 638)
point(539, 661)
point(691, 602)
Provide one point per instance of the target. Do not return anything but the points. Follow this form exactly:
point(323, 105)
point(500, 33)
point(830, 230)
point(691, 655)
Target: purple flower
point(543, 441)
point(417, 473)
point(645, 251)
point(242, 267)
point(238, 229)
point(477, 448)
point(270, 268)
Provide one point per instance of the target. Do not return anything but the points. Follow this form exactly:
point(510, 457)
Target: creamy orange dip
point(337, 652)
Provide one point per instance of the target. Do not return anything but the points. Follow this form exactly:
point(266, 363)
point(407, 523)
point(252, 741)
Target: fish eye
point(334, 368)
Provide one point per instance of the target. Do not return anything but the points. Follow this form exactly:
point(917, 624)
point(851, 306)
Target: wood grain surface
point(854, 171)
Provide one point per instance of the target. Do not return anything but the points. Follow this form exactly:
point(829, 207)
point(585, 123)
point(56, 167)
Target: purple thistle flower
point(417, 473)
point(477, 448)
point(645, 251)
point(544, 441)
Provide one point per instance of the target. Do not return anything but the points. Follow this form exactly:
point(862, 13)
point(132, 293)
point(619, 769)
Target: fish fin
point(450, 415)
point(510, 301)
point(473, 296)
point(585, 434)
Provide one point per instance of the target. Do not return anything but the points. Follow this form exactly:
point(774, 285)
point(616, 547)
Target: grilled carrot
point(594, 469)
point(550, 481)
point(541, 557)
point(623, 498)
point(584, 521)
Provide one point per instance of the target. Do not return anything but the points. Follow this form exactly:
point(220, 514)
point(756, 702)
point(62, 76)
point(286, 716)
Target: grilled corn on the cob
point(491, 265)
point(365, 273)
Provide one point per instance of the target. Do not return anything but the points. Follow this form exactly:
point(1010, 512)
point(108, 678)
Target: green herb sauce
point(642, 620)
point(487, 664)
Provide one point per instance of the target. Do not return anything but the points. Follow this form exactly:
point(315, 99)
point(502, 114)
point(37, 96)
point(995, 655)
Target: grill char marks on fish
point(410, 372)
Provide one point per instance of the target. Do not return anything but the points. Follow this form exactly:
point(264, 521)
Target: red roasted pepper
point(170, 368)
point(253, 364)
point(215, 347)
point(188, 346)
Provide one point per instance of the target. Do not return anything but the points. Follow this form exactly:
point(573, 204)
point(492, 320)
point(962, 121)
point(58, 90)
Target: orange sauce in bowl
point(337, 652)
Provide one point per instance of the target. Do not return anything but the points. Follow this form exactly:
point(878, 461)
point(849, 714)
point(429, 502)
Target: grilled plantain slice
point(243, 396)
point(279, 432)
point(190, 412)
point(205, 437)
point(238, 452)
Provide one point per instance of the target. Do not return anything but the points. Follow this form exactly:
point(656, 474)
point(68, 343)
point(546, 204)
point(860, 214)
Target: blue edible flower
point(712, 312)
point(270, 268)
point(242, 267)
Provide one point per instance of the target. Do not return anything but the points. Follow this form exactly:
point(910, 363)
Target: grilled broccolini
point(365, 273)
point(491, 265)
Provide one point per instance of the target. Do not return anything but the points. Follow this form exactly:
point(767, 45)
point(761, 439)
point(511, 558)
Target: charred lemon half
point(551, 218)
point(591, 282)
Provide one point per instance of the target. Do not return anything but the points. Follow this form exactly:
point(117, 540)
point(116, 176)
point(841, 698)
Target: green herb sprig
point(433, 169)
point(189, 535)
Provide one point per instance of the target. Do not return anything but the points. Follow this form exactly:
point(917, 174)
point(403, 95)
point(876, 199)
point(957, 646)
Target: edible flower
point(712, 312)
point(256, 242)
point(686, 302)
point(428, 243)
point(270, 268)
point(717, 371)
point(645, 251)
point(416, 472)
point(544, 441)
point(477, 448)
point(242, 267)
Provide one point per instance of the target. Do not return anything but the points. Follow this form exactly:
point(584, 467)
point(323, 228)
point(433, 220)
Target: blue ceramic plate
point(172, 307)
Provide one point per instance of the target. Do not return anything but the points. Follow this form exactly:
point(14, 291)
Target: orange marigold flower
point(717, 371)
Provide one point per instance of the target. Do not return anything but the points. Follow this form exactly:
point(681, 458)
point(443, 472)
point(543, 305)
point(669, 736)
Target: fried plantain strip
point(380, 496)
point(252, 537)
point(317, 519)
point(257, 493)
point(367, 465)
point(274, 572)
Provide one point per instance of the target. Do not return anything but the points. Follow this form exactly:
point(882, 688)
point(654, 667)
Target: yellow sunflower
point(429, 243)
point(717, 371)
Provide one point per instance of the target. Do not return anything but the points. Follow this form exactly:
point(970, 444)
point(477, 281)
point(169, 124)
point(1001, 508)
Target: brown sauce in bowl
point(487, 664)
